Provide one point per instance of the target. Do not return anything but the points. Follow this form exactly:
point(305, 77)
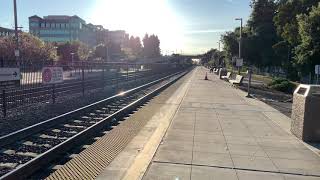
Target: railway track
point(43, 93)
point(27, 150)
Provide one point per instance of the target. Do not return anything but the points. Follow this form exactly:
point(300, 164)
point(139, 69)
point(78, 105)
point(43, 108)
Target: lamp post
point(240, 40)
point(16, 51)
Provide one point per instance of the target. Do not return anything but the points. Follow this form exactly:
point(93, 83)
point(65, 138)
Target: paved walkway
point(217, 133)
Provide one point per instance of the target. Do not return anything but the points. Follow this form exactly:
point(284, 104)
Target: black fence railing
point(78, 78)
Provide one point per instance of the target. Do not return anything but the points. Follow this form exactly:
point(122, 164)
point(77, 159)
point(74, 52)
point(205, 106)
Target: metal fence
point(78, 78)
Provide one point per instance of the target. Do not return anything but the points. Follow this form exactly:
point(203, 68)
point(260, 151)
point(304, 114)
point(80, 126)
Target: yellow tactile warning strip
point(90, 162)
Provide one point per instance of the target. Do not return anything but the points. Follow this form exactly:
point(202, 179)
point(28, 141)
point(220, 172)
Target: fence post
point(4, 103)
point(135, 72)
point(127, 72)
point(82, 69)
point(53, 93)
point(117, 77)
point(103, 85)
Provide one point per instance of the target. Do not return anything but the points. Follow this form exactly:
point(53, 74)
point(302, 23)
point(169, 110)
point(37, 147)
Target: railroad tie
point(91, 161)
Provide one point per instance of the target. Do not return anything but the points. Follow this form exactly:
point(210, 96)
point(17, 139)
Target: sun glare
point(138, 17)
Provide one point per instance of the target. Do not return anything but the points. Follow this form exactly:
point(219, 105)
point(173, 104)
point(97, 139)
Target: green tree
point(287, 27)
point(83, 51)
point(100, 51)
point(151, 46)
point(263, 31)
point(114, 50)
point(32, 49)
point(80, 50)
point(231, 44)
point(308, 51)
point(213, 57)
point(135, 45)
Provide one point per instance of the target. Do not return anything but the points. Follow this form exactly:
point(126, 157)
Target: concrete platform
point(214, 132)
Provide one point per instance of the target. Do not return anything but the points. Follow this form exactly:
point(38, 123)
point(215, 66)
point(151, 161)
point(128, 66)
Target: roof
point(35, 17)
point(2, 29)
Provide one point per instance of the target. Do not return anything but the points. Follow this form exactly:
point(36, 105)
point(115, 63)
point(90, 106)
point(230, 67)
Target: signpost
point(9, 77)
point(239, 64)
point(317, 72)
point(52, 75)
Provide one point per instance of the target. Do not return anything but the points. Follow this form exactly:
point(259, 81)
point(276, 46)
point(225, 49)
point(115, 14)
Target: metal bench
point(227, 77)
point(237, 81)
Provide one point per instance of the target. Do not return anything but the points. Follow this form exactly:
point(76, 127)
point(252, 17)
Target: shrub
point(277, 81)
point(282, 84)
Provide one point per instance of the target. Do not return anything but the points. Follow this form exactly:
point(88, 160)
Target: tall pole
point(16, 31)
point(240, 41)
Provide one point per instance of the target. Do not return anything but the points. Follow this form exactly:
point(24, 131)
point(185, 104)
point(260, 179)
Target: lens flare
point(139, 17)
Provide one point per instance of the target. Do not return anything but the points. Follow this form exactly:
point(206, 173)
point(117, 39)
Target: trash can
point(306, 113)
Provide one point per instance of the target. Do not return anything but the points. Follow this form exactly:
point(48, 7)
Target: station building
point(6, 32)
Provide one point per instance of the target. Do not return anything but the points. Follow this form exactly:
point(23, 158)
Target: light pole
point(240, 40)
point(16, 51)
point(219, 44)
point(249, 68)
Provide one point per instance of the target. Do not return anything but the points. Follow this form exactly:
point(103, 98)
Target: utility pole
point(16, 51)
point(240, 40)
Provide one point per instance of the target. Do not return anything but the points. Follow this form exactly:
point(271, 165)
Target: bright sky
point(187, 26)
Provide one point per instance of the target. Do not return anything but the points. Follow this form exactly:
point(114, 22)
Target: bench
point(237, 81)
point(216, 71)
point(227, 77)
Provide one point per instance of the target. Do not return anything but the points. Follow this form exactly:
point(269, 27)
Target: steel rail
point(36, 163)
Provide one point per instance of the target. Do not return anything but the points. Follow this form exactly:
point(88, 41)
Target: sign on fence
point(9, 77)
point(317, 69)
point(52, 75)
point(239, 62)
point(9, 74)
